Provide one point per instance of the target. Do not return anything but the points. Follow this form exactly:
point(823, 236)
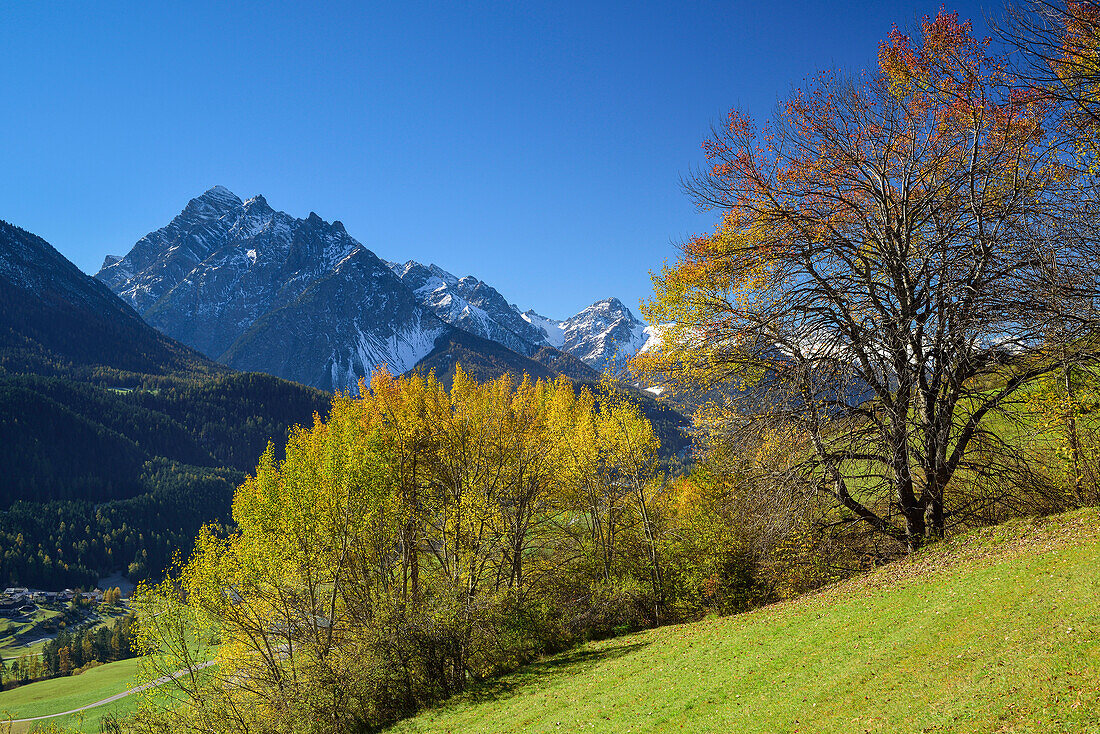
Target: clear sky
point(538, 146)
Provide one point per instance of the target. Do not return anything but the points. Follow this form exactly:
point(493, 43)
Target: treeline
point(71, 653)
point(423, 538)
point(56, 545)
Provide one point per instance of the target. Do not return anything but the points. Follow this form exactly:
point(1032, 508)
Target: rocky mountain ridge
point(257, 289)
point(605, 332)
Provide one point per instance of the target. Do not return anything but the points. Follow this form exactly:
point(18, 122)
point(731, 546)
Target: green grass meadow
point(11, 632)
point(64, 694)
point(997, 630)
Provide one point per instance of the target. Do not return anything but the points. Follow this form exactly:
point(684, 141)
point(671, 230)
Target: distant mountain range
point(603, 332)
point(257, 289)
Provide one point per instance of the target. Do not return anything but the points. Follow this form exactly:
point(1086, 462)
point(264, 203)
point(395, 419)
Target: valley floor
point(995, 631)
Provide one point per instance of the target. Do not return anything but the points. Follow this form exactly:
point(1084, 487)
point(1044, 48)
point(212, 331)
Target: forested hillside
point(117, 443)
point(55, 320)
point(99, 479)
point(71, 543)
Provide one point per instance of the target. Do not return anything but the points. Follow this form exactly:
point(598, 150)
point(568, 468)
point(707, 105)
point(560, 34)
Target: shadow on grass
point(528, 677)
point(564, 664)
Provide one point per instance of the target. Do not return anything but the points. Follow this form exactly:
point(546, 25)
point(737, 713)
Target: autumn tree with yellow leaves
point(417, 540)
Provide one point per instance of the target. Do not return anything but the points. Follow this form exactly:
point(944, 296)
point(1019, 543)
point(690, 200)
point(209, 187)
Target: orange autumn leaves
point(846, 161)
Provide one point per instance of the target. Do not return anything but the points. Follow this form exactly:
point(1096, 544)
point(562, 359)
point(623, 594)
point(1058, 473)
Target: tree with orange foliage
point(1057, 52)
point(876, 286)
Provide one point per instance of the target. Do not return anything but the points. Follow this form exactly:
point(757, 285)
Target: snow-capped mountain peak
point(259, 289)
point(300, 298)
point(604, 331)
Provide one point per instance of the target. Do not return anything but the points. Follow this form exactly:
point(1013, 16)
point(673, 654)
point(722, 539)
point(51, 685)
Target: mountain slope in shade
point(480, 358)
point(54, 319)
point(116, 443)
point(471, 305)
point(258, 289)
point(566, 364)
point(354, 320)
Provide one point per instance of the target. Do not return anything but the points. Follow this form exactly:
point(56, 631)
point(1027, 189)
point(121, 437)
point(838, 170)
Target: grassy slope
point(995, 631)
point(63, 694)
point(12, 630)
point(87, 722)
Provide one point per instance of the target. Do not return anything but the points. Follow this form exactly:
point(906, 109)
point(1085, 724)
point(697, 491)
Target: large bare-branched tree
point(881, 279)
point(1055, 48)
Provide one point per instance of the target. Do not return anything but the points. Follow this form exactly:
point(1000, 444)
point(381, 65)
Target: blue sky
point(538, 146)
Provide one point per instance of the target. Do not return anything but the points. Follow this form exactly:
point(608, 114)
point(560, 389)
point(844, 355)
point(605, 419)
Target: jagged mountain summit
point(258, 289)
point(471, 305)
point(604, 332)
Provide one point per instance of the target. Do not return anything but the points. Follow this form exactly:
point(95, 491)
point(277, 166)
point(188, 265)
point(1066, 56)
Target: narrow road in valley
point(117, 696)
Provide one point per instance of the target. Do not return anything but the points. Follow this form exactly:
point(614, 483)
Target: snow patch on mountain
point(397, 353)
point(552, 329)
point(605, 331)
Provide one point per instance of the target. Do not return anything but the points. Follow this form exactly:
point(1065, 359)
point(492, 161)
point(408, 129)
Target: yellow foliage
point(414, 515)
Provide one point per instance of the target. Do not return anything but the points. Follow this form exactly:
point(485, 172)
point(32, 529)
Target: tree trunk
point(655, 577)
point(914, 526)
point(933, 517)
point(1071, 430)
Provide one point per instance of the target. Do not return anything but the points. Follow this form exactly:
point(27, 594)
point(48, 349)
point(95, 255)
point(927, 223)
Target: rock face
point(260, 290)
point(471, 305)
point(603, 332)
